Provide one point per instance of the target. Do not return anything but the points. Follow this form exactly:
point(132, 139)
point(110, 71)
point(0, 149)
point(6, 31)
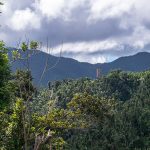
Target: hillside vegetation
point(111, 112)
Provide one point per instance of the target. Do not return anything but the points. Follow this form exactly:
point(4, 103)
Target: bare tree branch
point(47, 67)
point(42, 139)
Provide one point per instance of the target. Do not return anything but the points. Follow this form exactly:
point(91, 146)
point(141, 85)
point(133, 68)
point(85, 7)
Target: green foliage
point(24, 47)
point(23, 85)
point(120, 85)
point(116, 85)
point(92, 106)
point(15, 128)
point(34, 45)
point(16, 55)
point(24, 54)
point(11, 126)
point(4, 76)
point(112, 124)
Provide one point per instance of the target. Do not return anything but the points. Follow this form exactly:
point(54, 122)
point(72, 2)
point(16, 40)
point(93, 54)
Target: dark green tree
point(4, 76)
point(24, 88)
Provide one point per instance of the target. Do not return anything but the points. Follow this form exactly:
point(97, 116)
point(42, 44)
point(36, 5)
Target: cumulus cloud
point(103, 9)
point(24, 19)
point(94, 59)
point(51, 8)
point(92, 30)
point(58, 8)
point(85, 47)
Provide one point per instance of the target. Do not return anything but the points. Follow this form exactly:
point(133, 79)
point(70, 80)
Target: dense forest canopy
point(109, 113)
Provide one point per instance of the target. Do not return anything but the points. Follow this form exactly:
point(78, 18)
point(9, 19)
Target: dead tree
point(48, 67)
point(42, 139)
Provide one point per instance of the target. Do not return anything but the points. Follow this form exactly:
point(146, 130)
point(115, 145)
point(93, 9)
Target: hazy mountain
point(138, 62)
point(70, 68)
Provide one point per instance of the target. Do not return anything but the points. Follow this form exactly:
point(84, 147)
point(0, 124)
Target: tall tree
point(4, 75)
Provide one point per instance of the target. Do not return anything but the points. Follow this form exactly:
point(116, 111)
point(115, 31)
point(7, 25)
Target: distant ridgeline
point(73, 69)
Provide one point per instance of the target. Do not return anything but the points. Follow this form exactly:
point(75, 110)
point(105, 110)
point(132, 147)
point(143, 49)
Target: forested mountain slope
point(63, 68)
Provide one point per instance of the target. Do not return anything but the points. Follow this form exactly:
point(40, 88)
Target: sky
point(94, 31)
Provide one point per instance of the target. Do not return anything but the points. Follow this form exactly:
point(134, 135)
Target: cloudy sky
point(94, 31)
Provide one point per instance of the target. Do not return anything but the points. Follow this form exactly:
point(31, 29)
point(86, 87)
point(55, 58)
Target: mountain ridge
point(71, 68)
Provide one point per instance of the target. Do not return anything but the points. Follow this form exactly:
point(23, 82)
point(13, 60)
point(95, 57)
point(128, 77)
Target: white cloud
point(137, 16)
point(141, 10)
point(24, 19)
point(58, 8)
point(85, 47)
point(51, 8)
point(92, 59)
point(81, 50)
point(103, 9)
point(139, 38)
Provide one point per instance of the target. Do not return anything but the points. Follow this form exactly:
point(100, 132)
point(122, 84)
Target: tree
point(24, 88)
point(4, 76)
point(16, 121)
point(6, 96)
point(120, 85)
